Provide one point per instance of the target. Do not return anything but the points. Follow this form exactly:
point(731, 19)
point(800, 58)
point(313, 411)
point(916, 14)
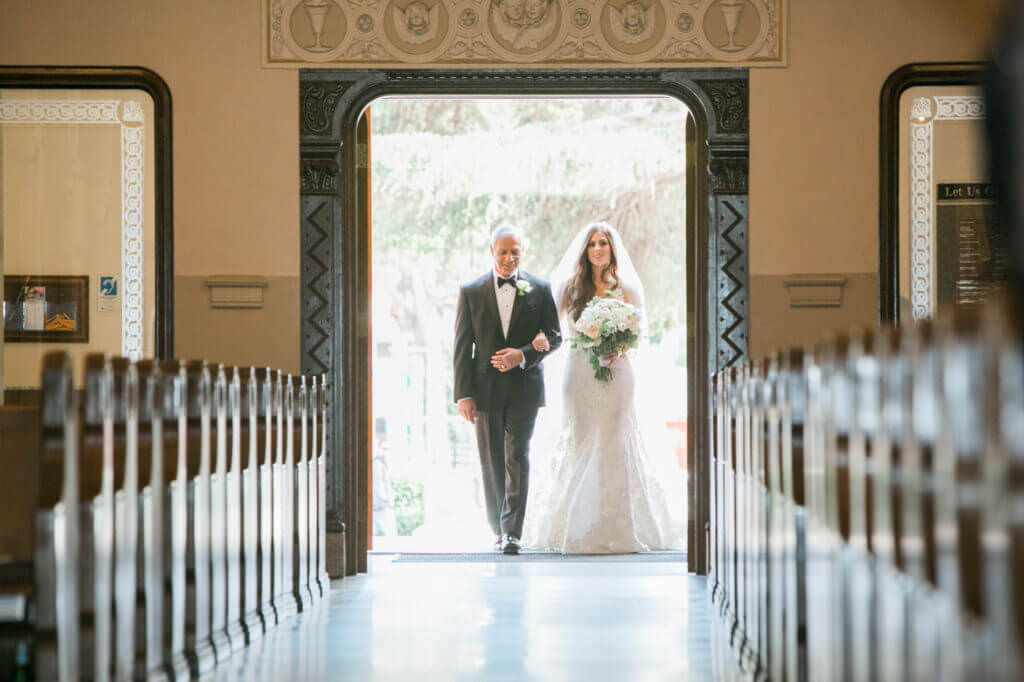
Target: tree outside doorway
point(443, 173)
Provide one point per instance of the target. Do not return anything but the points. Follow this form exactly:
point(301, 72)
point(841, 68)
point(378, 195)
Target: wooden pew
point(250, 605)
point(744, 501)
point(233, 512)
point(96, 518)
point(126, 391)
point(779, 510)
point(152, 663)
point(318, 485)
point(791, 392)
point(714, 582)
point(284, 483)
point(821, 528)
point(861, 371)
point(119, 552)
point(222, 645)
point(56, 536)
point(174, 422)
point(794, 409)
point(918, 536)
point(901, 557)
point(730, 515)
point(39, 583)
point(887, 536)
point(299, 415)
point(199, 649)
point(966, 370)
point(726, 502)
point(266, 564)
point(758, 533)
point(1003, 532)
point(717, 523)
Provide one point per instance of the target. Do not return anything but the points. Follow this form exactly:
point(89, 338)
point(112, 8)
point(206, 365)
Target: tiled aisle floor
point(504, 620)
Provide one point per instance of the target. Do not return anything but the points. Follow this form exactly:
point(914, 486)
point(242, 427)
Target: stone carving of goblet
point(317, 11)
point(731, 11)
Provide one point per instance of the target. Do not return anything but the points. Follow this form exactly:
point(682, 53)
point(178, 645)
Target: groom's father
point(499, 385)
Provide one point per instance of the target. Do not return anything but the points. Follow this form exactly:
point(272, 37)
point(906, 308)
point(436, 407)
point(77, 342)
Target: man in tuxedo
point(499, 385)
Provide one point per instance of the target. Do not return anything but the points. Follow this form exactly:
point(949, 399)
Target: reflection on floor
point(503, 620)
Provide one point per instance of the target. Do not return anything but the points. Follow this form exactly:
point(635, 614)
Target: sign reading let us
point(537, 33)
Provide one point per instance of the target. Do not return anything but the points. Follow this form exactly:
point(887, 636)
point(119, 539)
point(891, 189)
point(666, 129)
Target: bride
point(603, 491)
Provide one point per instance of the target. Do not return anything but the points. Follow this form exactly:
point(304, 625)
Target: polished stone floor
point(506, 619)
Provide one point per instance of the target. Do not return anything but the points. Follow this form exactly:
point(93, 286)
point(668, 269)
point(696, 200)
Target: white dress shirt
point(506, 301)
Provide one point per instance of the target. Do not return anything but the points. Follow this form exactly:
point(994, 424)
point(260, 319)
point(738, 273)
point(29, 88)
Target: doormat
point(491, 557)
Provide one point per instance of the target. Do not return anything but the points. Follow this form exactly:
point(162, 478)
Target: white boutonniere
point(523, 286)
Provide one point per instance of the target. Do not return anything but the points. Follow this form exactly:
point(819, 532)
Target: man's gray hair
point(506, 230)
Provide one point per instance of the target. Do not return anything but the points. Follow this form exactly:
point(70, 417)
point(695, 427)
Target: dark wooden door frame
point(335, 251)
point(900, 80)
point(135, 78)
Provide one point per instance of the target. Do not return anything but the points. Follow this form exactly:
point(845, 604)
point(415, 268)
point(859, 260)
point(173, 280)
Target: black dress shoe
point(511, 545)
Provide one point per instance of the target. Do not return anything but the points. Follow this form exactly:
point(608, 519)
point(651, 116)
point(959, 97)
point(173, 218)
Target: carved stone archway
point(335, 253)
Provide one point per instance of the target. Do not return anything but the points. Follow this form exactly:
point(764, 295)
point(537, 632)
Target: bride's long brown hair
point(581, 285)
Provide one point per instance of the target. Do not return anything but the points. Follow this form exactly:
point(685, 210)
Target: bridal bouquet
point(607, 325)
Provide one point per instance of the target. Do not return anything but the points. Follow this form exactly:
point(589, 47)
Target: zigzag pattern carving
point(317, 320)
point(316, 357)
point(732, 281)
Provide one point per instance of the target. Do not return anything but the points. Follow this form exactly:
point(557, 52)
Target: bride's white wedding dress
point(599, 489)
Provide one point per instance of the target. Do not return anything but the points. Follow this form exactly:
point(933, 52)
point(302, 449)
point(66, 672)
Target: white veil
point(629, 278)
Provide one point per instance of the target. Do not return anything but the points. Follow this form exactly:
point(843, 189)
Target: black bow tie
point(502, 281)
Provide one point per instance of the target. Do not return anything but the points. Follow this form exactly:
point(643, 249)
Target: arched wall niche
point(335, 252)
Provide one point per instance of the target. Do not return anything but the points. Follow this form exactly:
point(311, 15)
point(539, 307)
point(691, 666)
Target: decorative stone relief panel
point(730, 279)
point(319, 318)
point(532, 33)
point(729, 98)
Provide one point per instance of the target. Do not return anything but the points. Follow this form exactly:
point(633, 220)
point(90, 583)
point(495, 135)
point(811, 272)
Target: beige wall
point(236, 201)
point(238, 336)
point(814, 168)
point(814, 146)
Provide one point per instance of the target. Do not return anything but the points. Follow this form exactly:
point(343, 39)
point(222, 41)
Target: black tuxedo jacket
point(478, 336)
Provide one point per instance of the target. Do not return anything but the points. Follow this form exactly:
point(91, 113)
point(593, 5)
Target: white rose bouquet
point(607, 326)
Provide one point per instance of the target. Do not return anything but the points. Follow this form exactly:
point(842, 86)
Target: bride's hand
point(608, 359)
point(540, 342)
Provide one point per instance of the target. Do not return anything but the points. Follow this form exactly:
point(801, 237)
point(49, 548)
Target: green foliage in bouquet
point(615, 342)
point(607, 326)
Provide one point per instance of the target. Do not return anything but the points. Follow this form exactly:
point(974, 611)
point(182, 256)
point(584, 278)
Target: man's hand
point(507, 359)
point(467, 408)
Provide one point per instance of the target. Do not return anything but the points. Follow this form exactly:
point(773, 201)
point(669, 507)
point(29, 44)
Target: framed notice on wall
point(971, 244)
point(46, 308)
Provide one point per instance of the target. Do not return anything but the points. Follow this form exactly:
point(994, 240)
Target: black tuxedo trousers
point(507, 402)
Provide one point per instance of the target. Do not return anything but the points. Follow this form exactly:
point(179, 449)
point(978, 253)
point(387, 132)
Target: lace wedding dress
point(596, 488)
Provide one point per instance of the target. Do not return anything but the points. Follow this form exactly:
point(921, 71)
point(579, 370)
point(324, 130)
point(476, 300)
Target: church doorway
point(441, 173)
point(335, 220)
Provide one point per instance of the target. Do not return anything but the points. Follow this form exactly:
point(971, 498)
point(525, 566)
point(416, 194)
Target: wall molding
point(924, 112)
point(815, 291)
point(892, 126)
point(473, 34)
point(131, 122)
point(236, 291)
